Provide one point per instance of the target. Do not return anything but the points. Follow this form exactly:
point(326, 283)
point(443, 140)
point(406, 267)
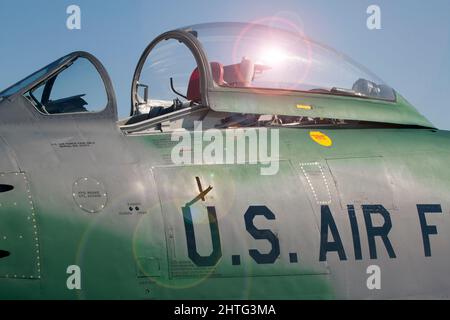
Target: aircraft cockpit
point(227, 75)
point(241, 75)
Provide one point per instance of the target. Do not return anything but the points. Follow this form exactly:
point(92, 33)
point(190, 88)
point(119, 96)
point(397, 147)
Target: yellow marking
point(321, 138)
point(201, 196)
point(304, 107)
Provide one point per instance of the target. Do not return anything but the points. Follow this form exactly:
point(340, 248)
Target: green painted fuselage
point(136, 247)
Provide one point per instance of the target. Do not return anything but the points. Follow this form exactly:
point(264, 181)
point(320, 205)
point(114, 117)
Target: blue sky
point(411, 52)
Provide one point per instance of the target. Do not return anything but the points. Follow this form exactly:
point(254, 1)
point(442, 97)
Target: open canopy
point(259, 57)
point(252, 68)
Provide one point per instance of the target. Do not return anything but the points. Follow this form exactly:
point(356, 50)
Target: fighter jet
point(256, 163)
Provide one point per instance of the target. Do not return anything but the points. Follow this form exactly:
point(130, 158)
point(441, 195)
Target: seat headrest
point(240, 74)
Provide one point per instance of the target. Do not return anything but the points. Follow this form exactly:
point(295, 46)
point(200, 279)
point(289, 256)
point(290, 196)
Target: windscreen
point(32, 78)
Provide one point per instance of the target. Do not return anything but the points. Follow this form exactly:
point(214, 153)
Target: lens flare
point(273, 56)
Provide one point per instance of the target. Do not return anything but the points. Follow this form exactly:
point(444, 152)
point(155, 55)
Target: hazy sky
point(411, 52)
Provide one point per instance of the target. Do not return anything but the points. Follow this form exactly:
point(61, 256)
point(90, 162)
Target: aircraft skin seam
point(35, 230)
point(32, 219)
point(302, 166)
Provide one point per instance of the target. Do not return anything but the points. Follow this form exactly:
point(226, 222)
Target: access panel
point(19, 240)
point(231, 221)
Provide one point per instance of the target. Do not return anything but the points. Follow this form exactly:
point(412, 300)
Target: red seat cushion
point(193, 92)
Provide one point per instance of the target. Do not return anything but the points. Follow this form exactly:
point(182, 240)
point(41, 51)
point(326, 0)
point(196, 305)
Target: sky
point(411, 51)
